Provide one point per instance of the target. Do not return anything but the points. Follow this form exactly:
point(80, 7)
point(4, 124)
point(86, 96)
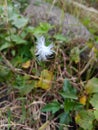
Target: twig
point(54, 1)
point(16, 70)
point(7, 62)
point(86, 66)
point(25, 127)
point(36, 102)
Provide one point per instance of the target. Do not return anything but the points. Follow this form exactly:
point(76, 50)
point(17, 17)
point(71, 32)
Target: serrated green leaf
point(71, 105)
point(65, 118)
point(53, 107)
point(68, 90)
point(20, 22)
point(30, 29)
point(68, 95)
point(42, 29)
point(17, 39)
point(67, 86)
point(94, 101)
point(92, 86)
point(60, 37)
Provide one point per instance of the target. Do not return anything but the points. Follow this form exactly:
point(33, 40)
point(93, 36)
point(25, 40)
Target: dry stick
point(13, 124)
point(86, 66)
point(35, 103)
point(44, 126)
point(7, 62)
point(16, 70)
point(53, 3)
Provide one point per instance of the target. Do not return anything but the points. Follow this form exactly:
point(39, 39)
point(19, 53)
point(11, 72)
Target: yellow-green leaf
point(26, 65)
point(85, 119)
point(94, 101)
point(45, 81)
point(96, 114)
point(92, 86)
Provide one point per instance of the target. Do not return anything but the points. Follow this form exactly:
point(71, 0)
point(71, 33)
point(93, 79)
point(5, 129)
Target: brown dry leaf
point(45, 81)
point(26, 65)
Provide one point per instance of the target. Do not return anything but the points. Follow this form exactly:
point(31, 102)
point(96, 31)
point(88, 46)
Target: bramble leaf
point(94, 101)
point(92, 86)
point(96, 114)
point(85, 119)
point(53, 107)
point(45, 80)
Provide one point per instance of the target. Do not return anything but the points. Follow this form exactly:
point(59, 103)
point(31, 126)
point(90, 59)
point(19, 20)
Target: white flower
point(43, 51)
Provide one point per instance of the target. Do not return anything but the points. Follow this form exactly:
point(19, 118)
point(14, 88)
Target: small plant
point(46, 81)
point(68, 106)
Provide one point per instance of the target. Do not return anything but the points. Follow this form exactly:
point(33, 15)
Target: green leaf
point(71, 105)
point(42, 29)
point(53, 107)
point(5, 46)
point(92, 86)
point(96, 114)
point(85, 119)
point(67, 86)
point(94, 101)
point(30, 29)
point(4, 71)
point(24, 90)
point(20, 22)
point(68, 95)
point(61, 37)
point(64, 119)
point(68, 90)
point(5, 74)
point(17, 39)
point(23, 84)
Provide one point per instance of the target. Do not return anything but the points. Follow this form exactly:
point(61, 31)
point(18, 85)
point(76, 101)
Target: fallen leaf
point(92, 86)
point(45, 81)
point(85, 119)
